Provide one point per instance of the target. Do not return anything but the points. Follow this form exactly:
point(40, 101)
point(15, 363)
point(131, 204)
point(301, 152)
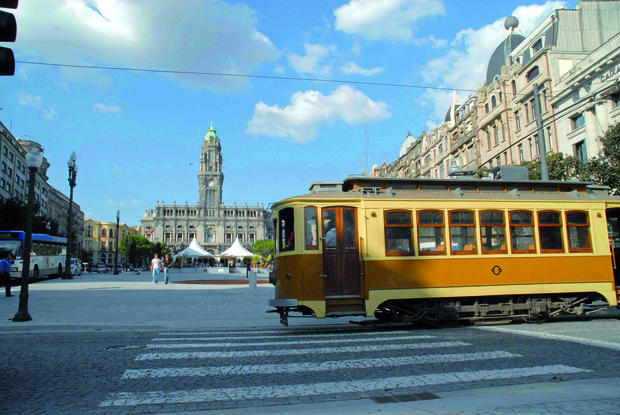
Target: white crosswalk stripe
point(303, 351)
point(280, 343)
point(312, 366)
point(325, 388)
point(289, 352)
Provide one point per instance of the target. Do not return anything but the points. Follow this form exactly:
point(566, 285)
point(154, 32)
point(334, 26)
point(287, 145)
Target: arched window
point(104, 233)
point(111, 233)
point(493, 102)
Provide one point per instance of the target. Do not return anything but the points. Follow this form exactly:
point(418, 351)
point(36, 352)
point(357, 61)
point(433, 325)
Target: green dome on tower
point(211, 134)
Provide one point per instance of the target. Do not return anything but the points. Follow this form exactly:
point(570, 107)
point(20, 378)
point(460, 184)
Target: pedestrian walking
point(166, 263)
point(5, 274)
point(155, 267)
point(248, 268)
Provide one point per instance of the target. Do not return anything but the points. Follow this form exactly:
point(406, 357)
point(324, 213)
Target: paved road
point(179, 371)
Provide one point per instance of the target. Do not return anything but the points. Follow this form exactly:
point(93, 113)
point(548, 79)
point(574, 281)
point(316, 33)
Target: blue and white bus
point(46, 258)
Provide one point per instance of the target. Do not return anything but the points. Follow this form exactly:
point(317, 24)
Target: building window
point(537, 46)
point(532, 110)
point(398, 239)
point(517, 121)
point(493, 102)
point(104, 233)
point(251, 238)
point(577, 121)
point(522, 232)
point(228, 238)
point(498, 159)
point(210, 235)
point(179, 237)
point(167, 237)
point(496, 135)
point(578, 229)
point(111, 233)
point(615, 100)
point(580, 151)
point(488, 139)
point(311, 228)
point(514, 88)
point(431, 232)
point(486, 108)
point(550, 231)
point(521, 158)
point(462, 232)
point(533, 73)
point(192, 235)
point(240, 237)
point(492, 232)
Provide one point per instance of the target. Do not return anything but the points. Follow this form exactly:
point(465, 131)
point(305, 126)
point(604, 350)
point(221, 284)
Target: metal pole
point(22, 311)
point(118, 217)
point(544, 169)
point(67, 275)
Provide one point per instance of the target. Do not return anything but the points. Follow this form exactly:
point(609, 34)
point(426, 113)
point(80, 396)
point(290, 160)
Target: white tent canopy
point(194, 250)
point(236, 250)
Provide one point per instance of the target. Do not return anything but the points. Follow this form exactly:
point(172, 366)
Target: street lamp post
point(33, 161)
point(118, 218)
point(71, 164)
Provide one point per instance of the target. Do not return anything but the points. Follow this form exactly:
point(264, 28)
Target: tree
point(561, 167)
point(138, 250)
point(13, 217)
point(605, 167)
point(264, 247)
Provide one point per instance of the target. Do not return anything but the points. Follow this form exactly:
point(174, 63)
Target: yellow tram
point(434, 249)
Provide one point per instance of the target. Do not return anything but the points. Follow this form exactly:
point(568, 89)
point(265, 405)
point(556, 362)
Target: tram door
point(341, 267)
point(613, 229)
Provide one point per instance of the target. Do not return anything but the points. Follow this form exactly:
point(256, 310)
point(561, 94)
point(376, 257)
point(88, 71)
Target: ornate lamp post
point(118, 218)
point(33, 161)
point(72, 174)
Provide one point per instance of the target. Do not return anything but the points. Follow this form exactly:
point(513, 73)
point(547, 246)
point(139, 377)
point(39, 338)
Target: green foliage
point(13, 217)
point(604, 169)
point(138, 250)
point(263, 248)
point(560, 166)
point(482, 172)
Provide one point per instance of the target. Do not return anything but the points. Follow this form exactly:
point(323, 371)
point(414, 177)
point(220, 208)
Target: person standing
point(248, 268)
point(155, 267)
point(166, 263)
point(5, 274)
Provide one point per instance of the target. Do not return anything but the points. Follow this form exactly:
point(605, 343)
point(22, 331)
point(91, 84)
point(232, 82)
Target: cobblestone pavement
point(181, 371)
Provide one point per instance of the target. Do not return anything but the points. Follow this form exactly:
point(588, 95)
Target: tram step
point(344, 305)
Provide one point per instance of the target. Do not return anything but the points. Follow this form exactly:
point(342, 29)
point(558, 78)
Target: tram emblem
point(496, 270)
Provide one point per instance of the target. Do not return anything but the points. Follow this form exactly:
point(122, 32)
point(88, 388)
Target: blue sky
point(138, 135)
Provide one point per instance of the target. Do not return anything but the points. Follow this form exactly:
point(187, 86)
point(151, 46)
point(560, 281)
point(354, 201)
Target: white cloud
point(311, 110)
point(351, 68)
point(192, 35)
point(110, 109)
point(310, 63)
point(279, 69)
point(125, 203)
point(394, 20)
point(50, 113)
point(26, 99)
point(472, 49)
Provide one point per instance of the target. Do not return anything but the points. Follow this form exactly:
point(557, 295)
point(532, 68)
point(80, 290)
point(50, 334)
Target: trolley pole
point(544, 169)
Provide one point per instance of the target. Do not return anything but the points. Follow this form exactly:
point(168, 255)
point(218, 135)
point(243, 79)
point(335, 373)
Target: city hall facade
point(214, 225)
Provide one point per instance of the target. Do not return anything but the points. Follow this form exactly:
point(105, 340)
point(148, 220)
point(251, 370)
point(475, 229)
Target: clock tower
point(211, 178)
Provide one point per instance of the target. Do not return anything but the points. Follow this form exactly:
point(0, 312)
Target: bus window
point(493, 232)
point(462, 232)
point(522, 232)
point(430, 232)
point(578, 229)
point(398, 227)
point(286, 230)
point(550, 231)
point(311, 225)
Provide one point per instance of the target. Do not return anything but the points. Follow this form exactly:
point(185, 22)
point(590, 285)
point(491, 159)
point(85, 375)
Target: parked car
point(102, 268)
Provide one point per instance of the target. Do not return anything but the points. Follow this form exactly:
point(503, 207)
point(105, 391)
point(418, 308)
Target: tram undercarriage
point(479, 310)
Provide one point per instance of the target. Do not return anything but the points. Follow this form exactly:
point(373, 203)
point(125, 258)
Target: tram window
point(462, 232)
point(578, 229)
point(348, 228)
point(430, 232)
point(493, 232)
point(286, 231)
point(311, 225)
point(329, 228)
point(398, 227)
point(522, 232)
point(550, 231)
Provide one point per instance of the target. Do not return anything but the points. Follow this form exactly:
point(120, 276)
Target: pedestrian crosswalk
point(236, 367)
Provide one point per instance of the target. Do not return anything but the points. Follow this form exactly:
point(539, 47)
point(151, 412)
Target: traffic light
point(8, 33)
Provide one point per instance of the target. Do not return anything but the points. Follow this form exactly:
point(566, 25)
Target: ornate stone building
point(214, 225)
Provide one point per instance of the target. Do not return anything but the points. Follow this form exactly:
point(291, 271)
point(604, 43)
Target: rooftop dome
point(498, 58)
point(449, 113)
